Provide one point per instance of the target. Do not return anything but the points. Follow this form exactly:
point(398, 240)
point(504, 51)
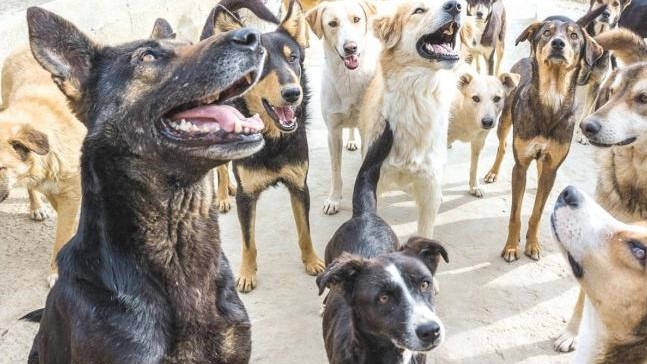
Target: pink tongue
point(285, 114)
point(224, 115)
point(351, 62)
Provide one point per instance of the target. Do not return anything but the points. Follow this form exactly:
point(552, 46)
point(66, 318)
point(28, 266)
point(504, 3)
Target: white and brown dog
point(609, 260)
point(410, 92)
point(351, 53)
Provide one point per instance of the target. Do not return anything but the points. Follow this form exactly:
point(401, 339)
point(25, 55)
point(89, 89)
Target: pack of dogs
point(138, 274)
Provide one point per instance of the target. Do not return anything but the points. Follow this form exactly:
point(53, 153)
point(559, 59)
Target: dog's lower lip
point(623, 143)
point(578, 271)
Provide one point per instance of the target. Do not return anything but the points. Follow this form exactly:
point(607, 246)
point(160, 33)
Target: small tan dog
point(475, 111)
point(40, 146)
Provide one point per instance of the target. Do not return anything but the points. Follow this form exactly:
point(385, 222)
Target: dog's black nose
point(453, 7)
point(246, 37)
point(558, 44)
point(291, 94)
point(479, 14)
point(591, 127)
point(350, 48)
point(487, 122)
point(428, 333)
point(571, 197)
point(606, 15)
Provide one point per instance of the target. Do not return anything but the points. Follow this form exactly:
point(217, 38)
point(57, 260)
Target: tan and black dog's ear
point(62, 50)
point(388, 30)
point(427, 250)
point(343, 270)
point(313, 17)
point(529, 32)
point(223, 17)
point(592, 50)
point(510, 81)
point(29, 139)
point(464, 80)
point(369, 7)
point(162, 30)
point(295, 24)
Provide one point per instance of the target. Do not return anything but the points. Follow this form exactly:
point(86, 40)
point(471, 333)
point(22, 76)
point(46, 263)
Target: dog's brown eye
point(419, 11)
point(476, 99)
point(425, 285)
point(333, 24)
point(574, 36)
point(496, 98)
point(292, 58)
point(642, 98)
point(19, 148)
point(638, 250)
point(384, 298)
point(546, 33)
point(356, 19)
point(147, 57)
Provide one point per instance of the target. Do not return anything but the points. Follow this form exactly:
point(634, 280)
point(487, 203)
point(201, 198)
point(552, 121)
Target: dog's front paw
point(533, 250)
point(491, 177)
point(510, 252)
point(40, 214)
point(51, 279)
point(331, 206)
point(246, 282)
point(314, 265)
point(351, 145)
point(224, 206)
point(477, 192)
point(566, 342)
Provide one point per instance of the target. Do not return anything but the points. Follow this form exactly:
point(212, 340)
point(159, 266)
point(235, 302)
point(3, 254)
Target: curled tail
point(365, 190)
point(625, 45)
point(34, 316)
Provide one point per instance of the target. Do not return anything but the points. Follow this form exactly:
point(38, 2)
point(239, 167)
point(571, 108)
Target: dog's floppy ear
point(313, 17)
point(162, 30)
point(529, 32)
point(592, 50)
point(387, 30)
point(510, 81)
point(369, 8)
point(343, 270)
point(62, 50)
point(464, 80)
point(295, 24)
point(29, 139)
point(429, 251)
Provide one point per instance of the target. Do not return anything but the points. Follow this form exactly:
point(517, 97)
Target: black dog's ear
point(295, 24)
point(429, 251)
point(343, 270)
point(162, 30)
point(529, 32)
point(62, 49)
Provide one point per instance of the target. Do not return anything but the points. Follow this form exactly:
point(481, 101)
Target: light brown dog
point(40, 145)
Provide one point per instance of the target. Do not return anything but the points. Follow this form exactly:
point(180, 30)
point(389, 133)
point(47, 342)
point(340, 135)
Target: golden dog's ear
point(295, 24)
point(314, 19)
point(162, 30)
point(592, 50)
point(510, 81)
point(225, 21)
point(528, 33)
point(464, 80)
point(388, 30)
point(29, 139)
point(369, 7)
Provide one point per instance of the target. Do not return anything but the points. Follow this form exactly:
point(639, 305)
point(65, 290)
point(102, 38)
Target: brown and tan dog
point(542, 112)
point(483, 35)
point(40, 146)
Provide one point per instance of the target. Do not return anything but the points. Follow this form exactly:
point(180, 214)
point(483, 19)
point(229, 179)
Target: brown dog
point(542, 112)
point(40, 146)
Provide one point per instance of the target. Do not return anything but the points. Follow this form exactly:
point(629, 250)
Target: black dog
point(281, 99)
point(380, 308)
point(634, 18)
point(144, 279)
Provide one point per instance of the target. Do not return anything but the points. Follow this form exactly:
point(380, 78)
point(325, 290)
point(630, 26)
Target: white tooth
point(248, 77)
point(216, 127)
point(216, 97)
point(205, 129)
point(238, 126)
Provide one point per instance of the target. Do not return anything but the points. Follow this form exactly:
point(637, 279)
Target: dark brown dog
point(542, 112)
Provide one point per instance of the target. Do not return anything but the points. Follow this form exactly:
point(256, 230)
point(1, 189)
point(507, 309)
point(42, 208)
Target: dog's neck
point(373, 349)
point(556, 86)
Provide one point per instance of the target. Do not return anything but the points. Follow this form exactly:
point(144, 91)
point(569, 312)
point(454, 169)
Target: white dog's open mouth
point(439, 45)
point(351, 62)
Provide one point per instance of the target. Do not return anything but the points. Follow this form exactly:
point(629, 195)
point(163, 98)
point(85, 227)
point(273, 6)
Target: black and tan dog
point(542, 112)
point(144, 279)
point(380, 309)
point(634, 18)
point(281, 99)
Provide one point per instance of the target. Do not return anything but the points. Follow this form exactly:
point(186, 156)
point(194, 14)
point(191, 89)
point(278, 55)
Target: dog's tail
point(34, 316)
point(365, 190)
point(230, 7)
point(626, 45)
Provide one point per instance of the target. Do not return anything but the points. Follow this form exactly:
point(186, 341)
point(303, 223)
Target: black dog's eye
point(642, 98)
point(574, 36)
point(333, 24)
point(356, 19)
point(147, 56)
point(547, 33)
point(638, 250)
point(419, 11)
point(384, 298)
point(292, 58)
point(425, 286)
point(496, 98)
point(476, 99)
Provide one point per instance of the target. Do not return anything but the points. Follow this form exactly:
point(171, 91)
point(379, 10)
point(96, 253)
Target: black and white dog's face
point(481, 9)
point(392, 296)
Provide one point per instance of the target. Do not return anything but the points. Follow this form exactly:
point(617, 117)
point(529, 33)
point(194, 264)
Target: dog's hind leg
point(225, 189)
point(502, 133)
point(37, 209)
point(567, 341)
point(300, 198)
point(335, 146)
point(246, 208)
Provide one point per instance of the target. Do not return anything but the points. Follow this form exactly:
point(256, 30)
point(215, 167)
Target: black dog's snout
point(606, 15)
point(591, 127)
point(453, 7)
point(350, 48)
point(571, 197)
point(428, 333)
point(558, 44)
point(487, 122)
point(246, 37)
point(291, 94)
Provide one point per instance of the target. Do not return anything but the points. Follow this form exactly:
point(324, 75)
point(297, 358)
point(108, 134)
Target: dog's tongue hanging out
point(351, 62)
point(227, 118)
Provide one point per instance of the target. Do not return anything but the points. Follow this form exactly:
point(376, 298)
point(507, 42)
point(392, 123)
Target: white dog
point(351, 53)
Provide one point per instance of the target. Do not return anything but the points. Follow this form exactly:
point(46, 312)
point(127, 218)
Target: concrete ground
point(495, 312)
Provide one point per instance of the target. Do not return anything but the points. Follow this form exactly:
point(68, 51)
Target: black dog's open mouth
point(439, 45)
point(206, 121)
point(284, 116)
point(621, 144)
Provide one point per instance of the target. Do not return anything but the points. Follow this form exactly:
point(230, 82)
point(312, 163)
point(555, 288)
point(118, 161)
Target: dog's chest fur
point(622, 183)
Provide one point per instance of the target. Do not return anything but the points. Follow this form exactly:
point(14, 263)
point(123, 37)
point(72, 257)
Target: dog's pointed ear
point(592, 50)
point(29, 139)
point(343, 270)
point(464, 80)
point(528, 33)
point(313, 17)
point(369, 7)
point(62, 50)
point(510, 81)
point(295, 24)
point(387, 31)
point(162, 30)
point(429, 251)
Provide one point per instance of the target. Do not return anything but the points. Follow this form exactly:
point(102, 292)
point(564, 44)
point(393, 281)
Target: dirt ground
point(495, 312)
